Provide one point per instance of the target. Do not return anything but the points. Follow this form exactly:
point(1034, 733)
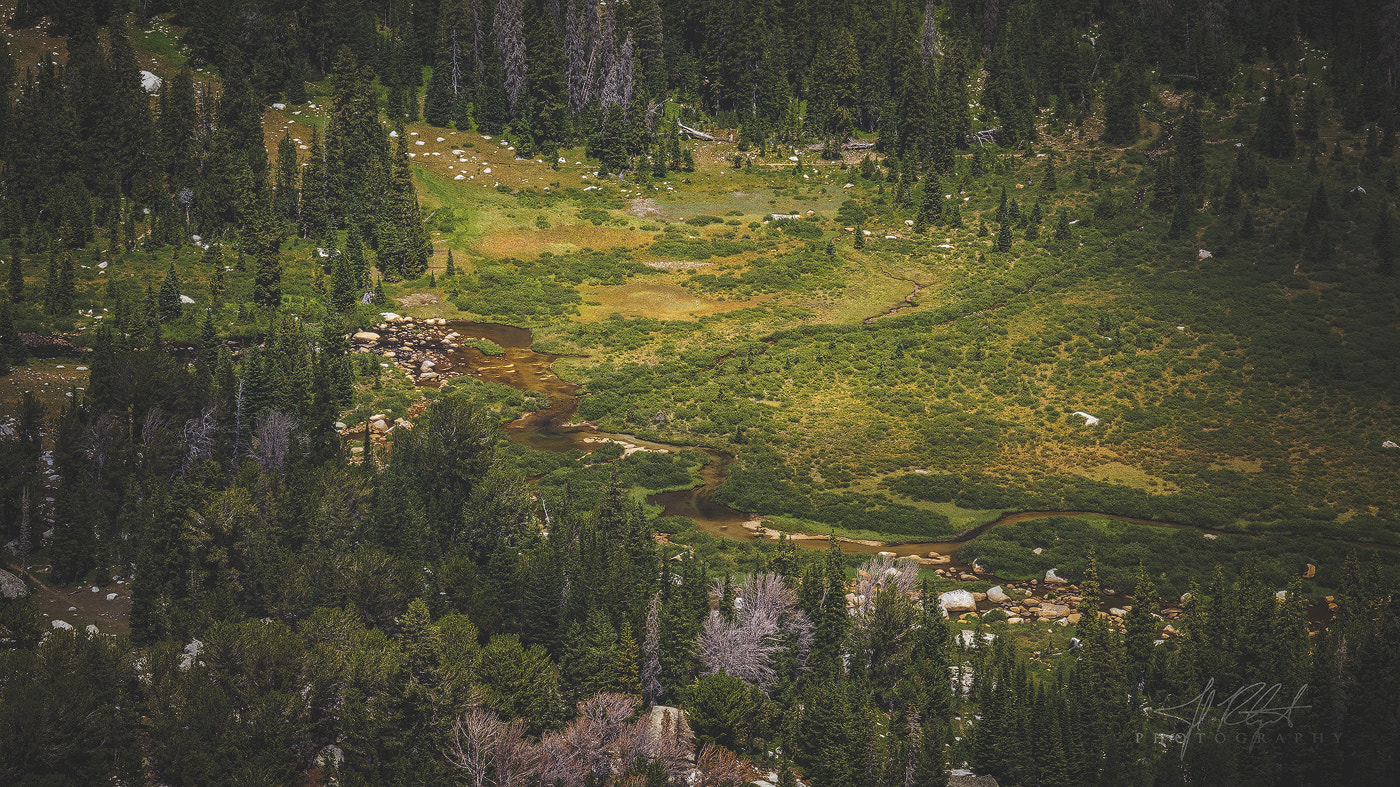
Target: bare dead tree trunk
point(930, 41)
point(474, 735)
point(24, 526)
point(580, 43)
point(509, 27)
point(651, 652)
point(989, 25)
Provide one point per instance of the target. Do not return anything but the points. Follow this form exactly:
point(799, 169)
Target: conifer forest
point(663, 393)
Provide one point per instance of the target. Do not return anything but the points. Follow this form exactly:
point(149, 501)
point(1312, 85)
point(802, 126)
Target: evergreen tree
point(15, 283)
point(545, 98)
point(316, 195)
point(860, 235)
point(1319, 210)
point(1048, 181)
point(169, 303)
point(931, 209)
point(404, 244)
point(1062, 226)
point(288, 174)
point(51, 285)
point(66, 291)
point(1384, 244)
point(1273, 135)
point(1003, 241)
point(955, 219)
point(1121, 109)
point(451, 269)
point(1190, 170)
point(1181, 215)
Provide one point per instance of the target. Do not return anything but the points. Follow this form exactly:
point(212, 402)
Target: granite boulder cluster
point(421, 348)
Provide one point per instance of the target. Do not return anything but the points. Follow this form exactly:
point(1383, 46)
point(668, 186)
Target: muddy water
point(555, 429)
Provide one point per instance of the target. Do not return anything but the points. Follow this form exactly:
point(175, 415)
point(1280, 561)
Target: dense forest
point(312, 603)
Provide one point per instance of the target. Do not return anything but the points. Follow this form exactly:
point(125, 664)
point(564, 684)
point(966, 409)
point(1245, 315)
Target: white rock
point(279, 107)
point(393, 133)
point(441, 139)
point(1210, 536)
point(91, 629)
point(997, 594)
point(1038, 550)
point(419, 142)
point(1089, 420)
point(1053, 578)
point(186, 299)
point(908, 222)
point(101, 265)
point(957, 601)
point(460, 177)
point(1390, 444)
point(1117, 612)
point(1282, 595)
point(150, 82)
point(111, 596)
point(1202, 254)
point(62, 624)
point(366, 336)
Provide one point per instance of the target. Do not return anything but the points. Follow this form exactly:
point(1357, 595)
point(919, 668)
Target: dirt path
point(55, 603)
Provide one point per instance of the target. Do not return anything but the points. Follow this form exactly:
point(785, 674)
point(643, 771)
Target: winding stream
point(554, 429)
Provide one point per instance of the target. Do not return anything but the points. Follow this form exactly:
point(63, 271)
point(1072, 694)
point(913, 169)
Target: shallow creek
point(554, 429)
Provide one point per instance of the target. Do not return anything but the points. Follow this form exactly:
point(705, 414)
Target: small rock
point(997, 594)
point(1310, 571)
point(1037, 550)
point(379, 426)
point(1053, 578)
point(1117, 612)
point(1282, 595)
point(967, 578)
point(91, 629)
point(62, 624)
point(111, 596)
point(366, 336)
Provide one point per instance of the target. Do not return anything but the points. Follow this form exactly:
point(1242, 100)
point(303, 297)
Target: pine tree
point(345, 291)
point(955, 219)
point(1190, 150)
point(51, 285)
point(1003, 241)
point(315, 191)
point(169, 303)
point(1121, 109)
point(1062, 226)
point(1384, 244)
point(1181, 215)
point(288, 171)
point(15, 283)
point(1048, 181)
point(1319, 210)
point(451, 269)
point(860, 235)
point(931, 209)
point(404, 244)
point(66, 290)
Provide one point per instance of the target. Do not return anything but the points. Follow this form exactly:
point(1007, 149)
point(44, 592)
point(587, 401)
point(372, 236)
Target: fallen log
point(696, 134)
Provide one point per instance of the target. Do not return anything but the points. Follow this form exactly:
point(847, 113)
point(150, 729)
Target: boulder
point(1053, 578)
point(186, 299)
point(91, 629)
point(1089, 420)
point(1014, 619)
point(1048, 610)
point(366, 336)
point(1282, 595)
point(1030, 602)
point(957, 601)
point(61, 625)
point(967, 578)
point(11, 586)
point(1390, 444)
point(1310, 571)
point(997, 594)
point(111, 596)
point(379, 426)
point(1117, 612)
point(1037, 550)
point(979, 596)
